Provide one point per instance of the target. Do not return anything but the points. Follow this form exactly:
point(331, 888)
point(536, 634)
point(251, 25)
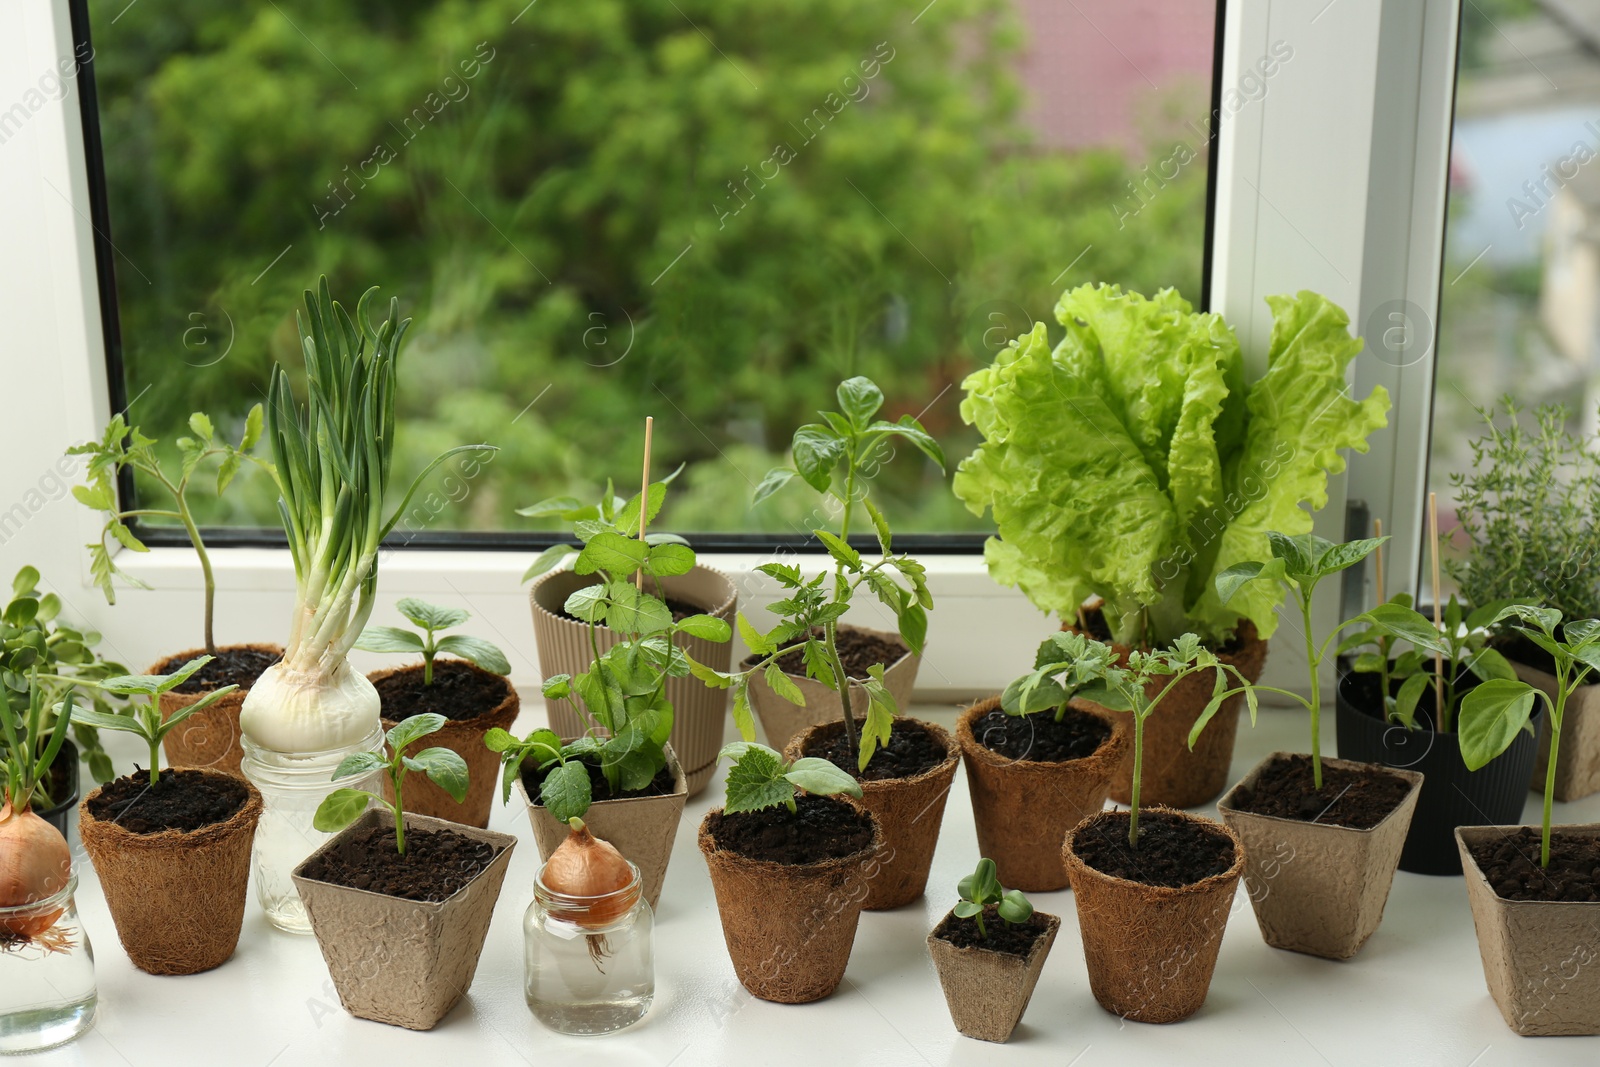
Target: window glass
point(707, 211)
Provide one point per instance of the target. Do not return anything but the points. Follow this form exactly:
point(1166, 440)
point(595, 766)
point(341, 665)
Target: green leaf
point(880, 525)
point(152, 684)
point(910, 429)
point(358, 763)
point(548, 559)
point(705, 627)
point(816, 449)
point(563, 507)
point(859, 399)
point(613, 553)
point(1239, 575)
point(125, 536)
point(200, 423)
point(1487, 664)
point(914, 627)
point(388, 639)
point(821, 778)
point(252, 429)
point(1401, 622)
point(756, 781)
point(783, 686)
point(565, 791)
point(1492, 714)
point(754, 639)
point(557, 687)
point(340, 808)
point(26, 581)
point(839, 550)
point(669, 560)
point(1405, 701)
point(633, 612)
point(982, 886)
point(588, 604)
point(966, 909)
point(1014, 907)
point(881, 711)
point(1338, 557)
point(95, 496)
point(226, 470)
point(775, 479)
point(627, 519)
point(417, 726)
point(479, 651)
point(429, 616)
point(498, 740)
point(743, 720)
point(444, 767)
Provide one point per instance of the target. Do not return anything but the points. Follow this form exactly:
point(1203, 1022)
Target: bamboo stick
point(1440, 713)
point(1377, 531)
point(644, 494)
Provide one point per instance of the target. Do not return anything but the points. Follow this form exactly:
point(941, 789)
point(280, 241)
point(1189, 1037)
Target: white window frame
point(1332, 179)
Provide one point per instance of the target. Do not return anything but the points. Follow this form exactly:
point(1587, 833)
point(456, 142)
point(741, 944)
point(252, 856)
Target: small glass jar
point(292, 786)
point(590, 960)
point(47, 992)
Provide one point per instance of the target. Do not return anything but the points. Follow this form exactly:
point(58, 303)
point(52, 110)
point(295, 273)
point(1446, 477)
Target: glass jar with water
point(47, 992)
point(590, 961)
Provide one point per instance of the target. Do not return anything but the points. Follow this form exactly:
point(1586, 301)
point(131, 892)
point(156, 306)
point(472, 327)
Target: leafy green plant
point(1297, 564)
point(838, 458)
point(761, 778)
point(444, 767)
point(125, 447)
point(33, 736)
point(982, 888)
point(622, 696)
point(36, 646)
point(1530, 507)
point(1135, 464)
point(612, 515)
point(1495, 712)
point(1073, 666)
point(144, 717)
point(431, 619)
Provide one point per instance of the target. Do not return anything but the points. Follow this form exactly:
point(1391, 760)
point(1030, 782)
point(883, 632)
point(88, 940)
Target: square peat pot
point(403, 962)
point(988, 991)
point(1317, 888)
point(1541, 958)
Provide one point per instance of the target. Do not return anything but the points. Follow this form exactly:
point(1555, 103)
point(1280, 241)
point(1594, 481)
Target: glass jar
point(47, 993)
point(590, 961)
point(292, 785)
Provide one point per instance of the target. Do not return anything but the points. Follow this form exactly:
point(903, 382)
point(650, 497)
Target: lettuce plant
point(1135, 463)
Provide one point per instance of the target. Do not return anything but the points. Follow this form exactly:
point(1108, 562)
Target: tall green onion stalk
point(333, 457)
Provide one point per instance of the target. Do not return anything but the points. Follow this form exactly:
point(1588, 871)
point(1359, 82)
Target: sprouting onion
point(332, 459)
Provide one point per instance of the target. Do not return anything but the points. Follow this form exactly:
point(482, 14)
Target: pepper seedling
point(982, 888)
point(761, 779)
point(430, 619)
point(143, 718)
point(444, 767)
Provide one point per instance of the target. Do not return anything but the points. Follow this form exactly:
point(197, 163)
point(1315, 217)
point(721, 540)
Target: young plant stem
point(427, 659)
point(831, 629)
point(155, 761)
point(1556, 714)
point(1138, 771)
point(398, 776)
point(1315, 705)
point(978, 918)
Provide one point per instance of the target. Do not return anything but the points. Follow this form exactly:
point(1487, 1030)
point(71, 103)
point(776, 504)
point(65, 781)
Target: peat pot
point(988, 990)
point(782, 721)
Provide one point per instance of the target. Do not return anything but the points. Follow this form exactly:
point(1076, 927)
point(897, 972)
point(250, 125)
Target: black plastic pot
point(1451, 795)
point(62, 812)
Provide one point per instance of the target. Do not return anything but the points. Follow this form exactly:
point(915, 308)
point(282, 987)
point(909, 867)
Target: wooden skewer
point(1377, 531)
point(644, 493)
point(1438, 618)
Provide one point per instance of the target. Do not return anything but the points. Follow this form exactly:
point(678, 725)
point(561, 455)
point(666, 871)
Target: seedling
point(1074, 666)
point(431, 619)
point(33, 737)
point(444, 767)
point(982, 888)
point(1495, 712)
point(612, 514)
point(143, 718)
point(761, 779)
point(124, 446)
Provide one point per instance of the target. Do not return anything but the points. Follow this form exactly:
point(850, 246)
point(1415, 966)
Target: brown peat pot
point(463, 736)
point(1578, 761)
point(783, 721)
point(910, 811)
point(986, 990)
point(209, 737)
point(176, 896)
point(403, 962)
point(641, 828)
point(1539, 956)
point(1173, 775)
point(1151, 950)
point(1024, 808)
point(699, 712)
point(789, 927)
point(1318, 888)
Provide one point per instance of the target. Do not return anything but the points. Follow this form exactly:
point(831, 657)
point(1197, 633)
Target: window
point(599, 213)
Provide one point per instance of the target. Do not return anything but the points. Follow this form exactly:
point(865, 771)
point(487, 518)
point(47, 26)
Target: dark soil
point(1511, 864)
point(1173, 851)
point(911, 751)
point(1361, 692)
point(681, 609)
point(599, 789)
point(180, 800)
point(1014, 940)
point(436, 864)
point(820, 829)
point(458, 691)
point(231, 666)
point(857, 651)
point(1038, 738)
point(1357, 799)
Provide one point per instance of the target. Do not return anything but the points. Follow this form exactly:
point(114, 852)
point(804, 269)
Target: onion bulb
point(290, 710)
point(586, 867)
point(35, 864)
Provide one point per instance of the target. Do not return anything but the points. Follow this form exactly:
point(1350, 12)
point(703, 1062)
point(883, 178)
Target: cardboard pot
point(1319, 888)
point(403, 962)
point(1578, 762)
point(177, 897)
point(699, 713)
point(988, 991)
point(641, 828)
point(1024, 808)
point(910, 811)
point(783, 721)
point(1538, 955)
point(209, 737)
point(789, 928)
point(1151, 950)
point(463, 736)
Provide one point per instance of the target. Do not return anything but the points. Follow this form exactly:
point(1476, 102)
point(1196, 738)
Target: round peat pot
point(1024, 808)
point(176, 896)
point(59, 814)
point(789, 927)
point(783, 721)
point(1451, 795)
point(210, 737)
point(909, 810)
point(462, 733)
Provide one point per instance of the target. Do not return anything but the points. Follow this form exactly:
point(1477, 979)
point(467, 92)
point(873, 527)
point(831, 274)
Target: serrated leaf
point(879, 524)
point(783, 686)
point(743, 720)
point(839, 550)
point(252, 429)
point(754, 639)
point(588, 604)
point(93, 496)
point(669, 560)
point(125, 536)
point(200, 423)
point(914, 627)
point(226, 470)
point(565, 791)
point(756, 782)
point(633, 612)
point(613, 553)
